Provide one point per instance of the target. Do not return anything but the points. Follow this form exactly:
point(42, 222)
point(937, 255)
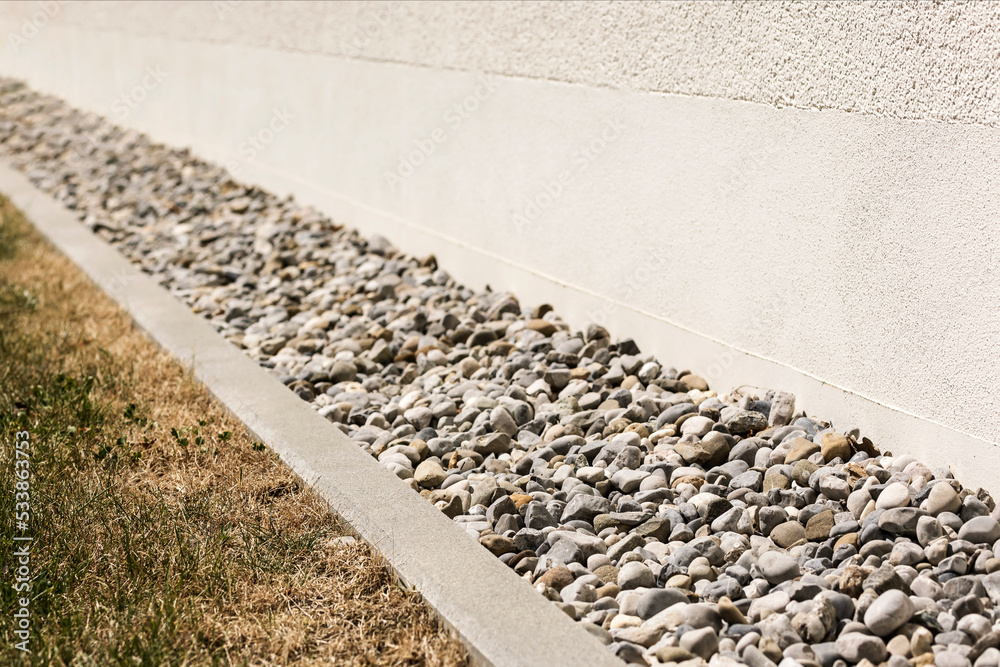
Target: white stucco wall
point(796, 195)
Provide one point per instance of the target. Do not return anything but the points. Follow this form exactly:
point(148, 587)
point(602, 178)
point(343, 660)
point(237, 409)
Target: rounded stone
point(835, 446)
point(951, 659)
point(856, 646)
point(703, 642)
point(557, 577)
point(921, 641)
point(788, 533)
point(895, 495)
point(980, 530)
point(673, 654)
point(607, 573)
point(711, 450)
point(429, 474)
point(802, 471)
point(343, 371)
point(943, 498)
point(906, 553)
point(819, 526)
point(901, 520)
point(656, 600)
point(928, 530)
point(697, 425)
point(889, 612)
point(498, 544)
point(746, 422)
point(898, 646)
point(801, 449)
point(835, 488)
point(635, 575)
point(778, 567)
point(774, 478)
point(694, 382)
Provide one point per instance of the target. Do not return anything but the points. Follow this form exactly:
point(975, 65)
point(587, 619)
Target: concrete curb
point(498, 616)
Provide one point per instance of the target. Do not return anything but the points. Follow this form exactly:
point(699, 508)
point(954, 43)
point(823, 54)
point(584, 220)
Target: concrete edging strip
point(498, 616)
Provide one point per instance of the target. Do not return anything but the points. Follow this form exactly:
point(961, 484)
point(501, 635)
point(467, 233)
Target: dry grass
point(164, 534)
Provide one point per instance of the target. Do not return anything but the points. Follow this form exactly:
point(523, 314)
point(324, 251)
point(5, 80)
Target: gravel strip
point(678, 525)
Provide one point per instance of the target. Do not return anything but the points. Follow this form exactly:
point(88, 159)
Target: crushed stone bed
point(677, 525)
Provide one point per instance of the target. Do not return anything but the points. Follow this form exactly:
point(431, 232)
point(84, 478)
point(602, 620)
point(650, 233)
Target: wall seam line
point(583, 290)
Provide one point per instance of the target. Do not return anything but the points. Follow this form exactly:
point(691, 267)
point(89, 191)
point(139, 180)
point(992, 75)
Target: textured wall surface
point(812, 204)
point(919, 60)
